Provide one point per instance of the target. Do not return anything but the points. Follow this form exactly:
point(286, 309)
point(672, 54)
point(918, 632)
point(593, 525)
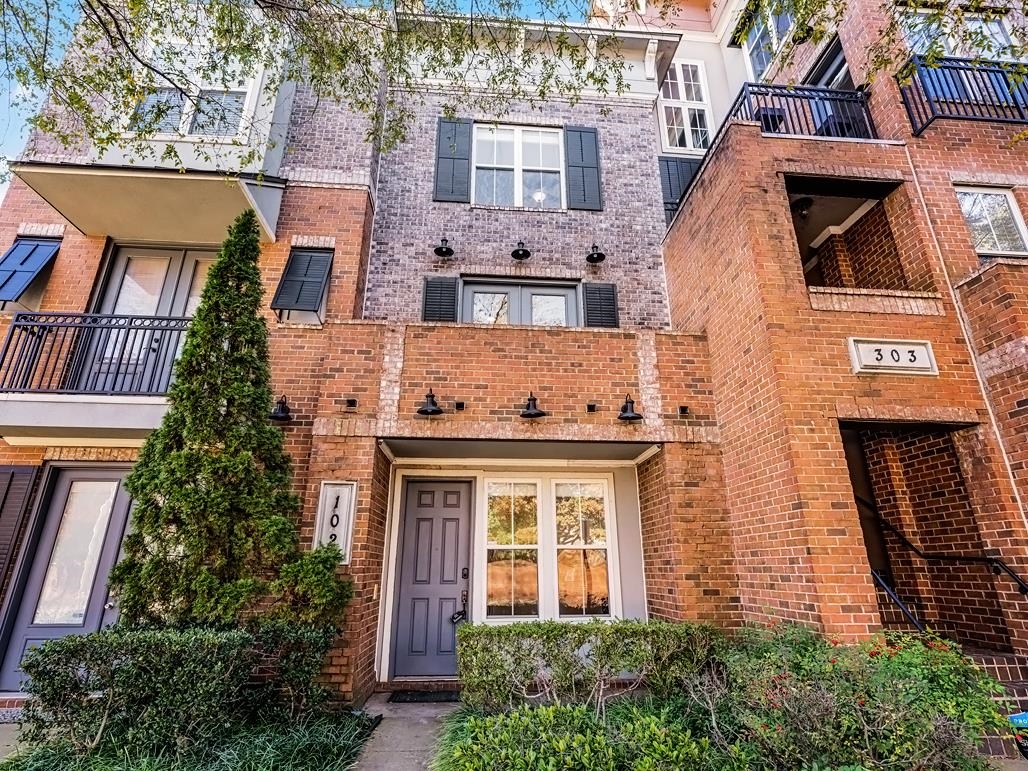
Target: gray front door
point(435, 549)
point(65, 591)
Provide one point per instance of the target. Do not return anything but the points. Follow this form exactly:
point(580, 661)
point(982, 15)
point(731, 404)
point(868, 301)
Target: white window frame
point(952, 48)
point(182, 134)
point(1015, 211)
point(548, 592)
point(685, 105)
point(768, 20)
point(519, 167)
point(570, 289)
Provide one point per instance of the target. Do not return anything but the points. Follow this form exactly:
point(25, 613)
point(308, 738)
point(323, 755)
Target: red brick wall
point(872, 252)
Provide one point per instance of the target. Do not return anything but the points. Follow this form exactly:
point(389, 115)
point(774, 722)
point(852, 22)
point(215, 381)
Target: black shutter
point(453, 161)
point(303, 281)
point(15, 488)
point(440, 300)
point(582, 159)
point(601, 305)
point(675, 176)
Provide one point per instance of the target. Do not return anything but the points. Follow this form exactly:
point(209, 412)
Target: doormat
point(423, 697)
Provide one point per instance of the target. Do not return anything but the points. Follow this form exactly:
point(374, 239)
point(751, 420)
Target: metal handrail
point(998, 565)
point(90, 353)
point(965, 89)
point(878, 579)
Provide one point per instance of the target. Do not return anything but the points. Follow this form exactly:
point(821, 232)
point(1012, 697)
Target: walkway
point(405, 739)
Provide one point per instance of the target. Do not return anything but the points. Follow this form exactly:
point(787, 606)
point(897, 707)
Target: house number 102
point(336, 506)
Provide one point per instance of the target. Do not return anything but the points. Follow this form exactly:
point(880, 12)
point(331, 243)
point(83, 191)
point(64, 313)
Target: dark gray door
point(435, 548)
point(66, 587)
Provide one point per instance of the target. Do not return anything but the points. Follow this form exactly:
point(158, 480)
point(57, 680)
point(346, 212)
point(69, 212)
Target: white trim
point(1012, 205)
point(477, 471)
point(685, 105)
point(895, 366)
point(483, 464)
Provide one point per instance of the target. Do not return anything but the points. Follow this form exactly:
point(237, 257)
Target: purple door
point(433, 586)
point(65, 590)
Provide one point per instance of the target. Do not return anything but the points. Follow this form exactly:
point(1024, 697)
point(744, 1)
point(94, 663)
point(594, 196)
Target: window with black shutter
point(675, 176)
point(601, 305)
point(15, 489)
point(304, 286)
point(440, 303)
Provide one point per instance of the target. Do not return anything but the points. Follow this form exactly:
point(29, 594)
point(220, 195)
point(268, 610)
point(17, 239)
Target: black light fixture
point(801, 206)
point(532, 411)
point(521, 253)
point(281, 415)
point(430, 407)
point(628, 410)
point(444, 249)
point(595, 257)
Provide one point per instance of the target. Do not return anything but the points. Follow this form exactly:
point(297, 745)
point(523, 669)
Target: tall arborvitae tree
point(212, 529)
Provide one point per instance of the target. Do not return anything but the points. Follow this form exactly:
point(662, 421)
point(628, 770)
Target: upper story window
point(766, 35)
point(994, 220)
point(203, 109)
point(518, 166)
point(983, 37)
point(522, 167)
point(684, 108)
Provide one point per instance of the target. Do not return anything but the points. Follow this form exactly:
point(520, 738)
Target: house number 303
point(896, 357)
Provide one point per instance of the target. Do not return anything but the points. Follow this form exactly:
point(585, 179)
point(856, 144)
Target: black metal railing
point(86, 353)
point(903, 607)
point(805, 111)
point(966, 89)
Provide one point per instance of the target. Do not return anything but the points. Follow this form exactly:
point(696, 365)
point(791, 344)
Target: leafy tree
point(212, 528)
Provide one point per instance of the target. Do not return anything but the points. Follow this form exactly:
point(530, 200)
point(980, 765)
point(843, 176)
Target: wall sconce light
point(532, 411)
point(595, 257)
point(628, 412)
point(444, 249)
point(281, 415)
point(521, 253)
point(430, 406)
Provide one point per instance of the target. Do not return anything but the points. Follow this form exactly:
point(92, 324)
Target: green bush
point(314, 745)
point(552, 662)
point(290, 658)
point(148, 690)
point(569, 737)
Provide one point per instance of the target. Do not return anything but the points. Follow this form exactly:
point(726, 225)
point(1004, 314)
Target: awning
point(471, 449)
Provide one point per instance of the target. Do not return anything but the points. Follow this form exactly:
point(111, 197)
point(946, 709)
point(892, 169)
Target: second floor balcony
point(805, 111)
point(65, 377)
point(964, 89)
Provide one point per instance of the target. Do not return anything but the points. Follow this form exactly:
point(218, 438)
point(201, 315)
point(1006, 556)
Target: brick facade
point(741, 370)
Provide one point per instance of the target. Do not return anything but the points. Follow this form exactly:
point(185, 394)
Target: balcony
point(72, 378)
point(965, 89)
point(804, 111)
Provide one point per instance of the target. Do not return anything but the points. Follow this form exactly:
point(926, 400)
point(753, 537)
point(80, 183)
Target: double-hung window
point(684, 109)
point(518, 166)
point(535, 304)
point(766, 35)
point(994, 220)
point(549, 549)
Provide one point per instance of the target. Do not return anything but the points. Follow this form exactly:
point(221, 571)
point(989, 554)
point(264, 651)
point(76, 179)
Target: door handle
point(462, 614)
point(108, 606)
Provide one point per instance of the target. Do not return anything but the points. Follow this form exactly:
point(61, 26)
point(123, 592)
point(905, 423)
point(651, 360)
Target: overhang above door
point(626, 452)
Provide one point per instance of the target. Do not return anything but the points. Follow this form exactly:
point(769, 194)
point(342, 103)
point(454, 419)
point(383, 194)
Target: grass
point(318, 745)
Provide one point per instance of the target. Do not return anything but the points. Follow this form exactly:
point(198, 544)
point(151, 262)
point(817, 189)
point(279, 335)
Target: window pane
point(140, 290)
point(582, 588)
point(692, 86)
point(165, 102)
point(512, 582)
point(991, 221)
point(512, 514)
point(549, 310)
point(669, 88)
point(494, 187)
point(490, 308)
point(72, 568)
point(218, 113)
point(541, 189)
point(675, 120)
point(200, 272)
point(698, 128)
point(549, 150)
point(581, 514)
point(758, 47)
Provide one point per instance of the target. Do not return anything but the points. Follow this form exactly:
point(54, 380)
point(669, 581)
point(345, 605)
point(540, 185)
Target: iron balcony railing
point(966, 89)
point(805, 111)
point(87, 353)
